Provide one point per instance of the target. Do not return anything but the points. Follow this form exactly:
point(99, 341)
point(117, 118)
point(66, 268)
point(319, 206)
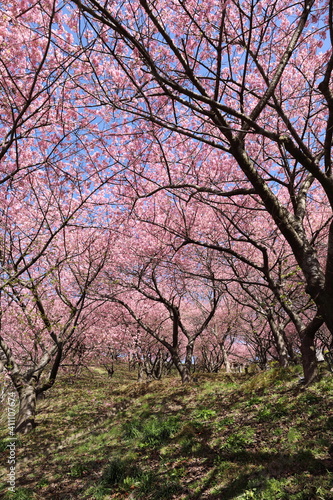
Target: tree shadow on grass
point(83, 471)
point(270, 466)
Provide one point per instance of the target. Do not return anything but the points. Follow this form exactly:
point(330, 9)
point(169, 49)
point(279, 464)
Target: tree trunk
point(225, 359)
point(186, 374)
point(283, 353)
point(280, 342)
point(308, 350)
point(27, 410)
point(291, 354)
point(183, 368)
point(140, 371)
point(186, 369)
point(158, 367)
point(309, 360)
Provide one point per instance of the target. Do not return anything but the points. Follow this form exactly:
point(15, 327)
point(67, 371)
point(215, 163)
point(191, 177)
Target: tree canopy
point(163, 166)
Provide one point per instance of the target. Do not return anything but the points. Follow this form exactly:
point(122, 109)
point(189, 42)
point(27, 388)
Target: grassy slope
point(258, 437)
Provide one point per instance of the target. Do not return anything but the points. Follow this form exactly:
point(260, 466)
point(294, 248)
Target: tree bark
point(225, 359)
point(308, 350)
point(183, 368)
point(309, 361)
point(140, 371)
point(186, 367)
point(279, 341)
point(186, 374)
point(27, 409)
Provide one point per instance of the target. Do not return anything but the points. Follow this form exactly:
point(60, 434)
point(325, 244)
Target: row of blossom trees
point(166, 184)
point(227, 101)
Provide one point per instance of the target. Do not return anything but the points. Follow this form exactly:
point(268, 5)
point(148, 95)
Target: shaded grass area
point(247, 437)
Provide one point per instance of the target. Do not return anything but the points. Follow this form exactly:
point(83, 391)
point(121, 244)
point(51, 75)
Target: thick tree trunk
point(309, 361)
point(291, 354)
point(225, 359)
point(326, 311)
point(140, 371)
point(158, 367)
point(147, 368)
point(186, 375)
point(308, 350)
point(27, 410)
point(280, 342)
point(186, 369)
point(283, 354)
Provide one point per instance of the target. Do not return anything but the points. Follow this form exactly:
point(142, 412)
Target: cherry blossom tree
point(246, 83)
point(252, 255)
point(161, 290)
point(48, 174)
point(202, 133)
point(45, 314)
point(220, 339)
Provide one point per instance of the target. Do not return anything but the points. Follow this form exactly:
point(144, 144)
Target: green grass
point(247, 437)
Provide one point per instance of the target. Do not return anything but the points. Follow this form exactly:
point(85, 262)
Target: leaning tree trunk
point(323, 298)
point(27, 409)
